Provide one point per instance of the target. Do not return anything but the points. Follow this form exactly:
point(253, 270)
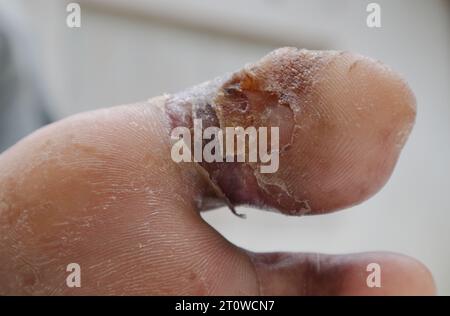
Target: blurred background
point(130, 50)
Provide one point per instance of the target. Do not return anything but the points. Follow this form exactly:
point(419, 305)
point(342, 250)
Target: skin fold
point(101, 190)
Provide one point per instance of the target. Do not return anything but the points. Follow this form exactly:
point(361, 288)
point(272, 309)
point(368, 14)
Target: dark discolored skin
point(343, 120)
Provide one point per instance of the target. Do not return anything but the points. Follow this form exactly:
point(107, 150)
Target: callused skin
point(320, 126)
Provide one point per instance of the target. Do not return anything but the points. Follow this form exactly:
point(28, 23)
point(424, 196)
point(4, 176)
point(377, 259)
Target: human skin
point(100, 189)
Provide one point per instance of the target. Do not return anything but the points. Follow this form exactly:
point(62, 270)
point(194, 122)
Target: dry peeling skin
point(343, 120)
